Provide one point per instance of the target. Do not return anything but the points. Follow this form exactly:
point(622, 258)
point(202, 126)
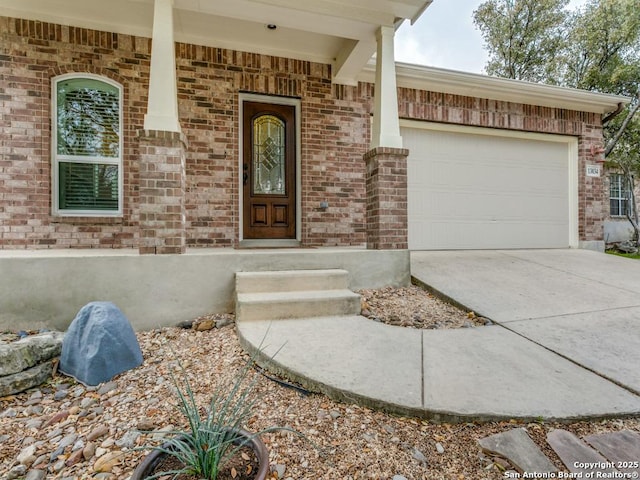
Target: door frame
point(289, 101)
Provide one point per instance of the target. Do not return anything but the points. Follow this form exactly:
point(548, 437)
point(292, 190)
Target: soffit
point(337, 32)
point(494, 88)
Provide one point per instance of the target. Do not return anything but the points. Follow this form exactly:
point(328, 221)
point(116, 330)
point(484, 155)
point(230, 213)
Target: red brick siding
point(387, 198)
point(335, 135)
point(162, 192)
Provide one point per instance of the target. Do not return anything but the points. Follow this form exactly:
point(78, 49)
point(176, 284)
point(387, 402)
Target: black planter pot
point(146, 467)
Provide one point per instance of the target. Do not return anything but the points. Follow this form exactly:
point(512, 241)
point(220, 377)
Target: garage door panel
point(469, 191)
point(482, 235)
point(463, 205)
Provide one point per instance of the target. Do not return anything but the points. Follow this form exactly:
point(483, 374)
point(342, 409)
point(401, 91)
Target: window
point(618, 194)
point(87, 146)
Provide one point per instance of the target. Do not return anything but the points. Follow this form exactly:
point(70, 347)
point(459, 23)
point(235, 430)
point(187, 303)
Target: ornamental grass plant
point(215, 433)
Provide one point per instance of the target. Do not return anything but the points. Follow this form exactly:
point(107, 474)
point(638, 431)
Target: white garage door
point(478, 188)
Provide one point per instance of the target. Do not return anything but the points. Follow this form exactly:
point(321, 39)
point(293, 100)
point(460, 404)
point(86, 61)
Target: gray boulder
point(21, 381)
point(99, 344)
point(29, 352)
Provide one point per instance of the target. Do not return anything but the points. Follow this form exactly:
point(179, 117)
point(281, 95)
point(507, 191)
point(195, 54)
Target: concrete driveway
point(582, 305)
point(565, 344)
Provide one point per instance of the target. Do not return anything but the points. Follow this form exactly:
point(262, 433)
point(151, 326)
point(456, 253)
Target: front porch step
point(299, 304)
point(291, 280)
point(289, 294)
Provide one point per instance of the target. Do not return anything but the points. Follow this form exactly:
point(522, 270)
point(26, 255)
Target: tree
point(521, 36)
point(595, 48)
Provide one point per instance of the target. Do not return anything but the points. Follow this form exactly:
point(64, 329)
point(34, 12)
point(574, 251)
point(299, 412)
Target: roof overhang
point(494, 88)
point(337, 32)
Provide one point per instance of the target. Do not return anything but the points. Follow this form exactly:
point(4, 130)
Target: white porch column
point(162, 106)
point(386, 126)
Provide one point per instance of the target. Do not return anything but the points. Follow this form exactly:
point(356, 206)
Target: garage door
point(477, 188)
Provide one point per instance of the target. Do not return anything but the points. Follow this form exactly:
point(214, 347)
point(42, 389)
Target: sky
point(445, 36)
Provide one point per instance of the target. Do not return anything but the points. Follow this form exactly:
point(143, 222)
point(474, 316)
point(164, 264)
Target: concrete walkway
point(566, 344)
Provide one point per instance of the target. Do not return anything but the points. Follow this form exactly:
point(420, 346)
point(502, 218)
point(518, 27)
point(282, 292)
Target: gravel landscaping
point(68, 431)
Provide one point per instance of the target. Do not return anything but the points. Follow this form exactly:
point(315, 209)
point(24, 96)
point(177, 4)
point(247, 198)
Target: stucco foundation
point(47, 288)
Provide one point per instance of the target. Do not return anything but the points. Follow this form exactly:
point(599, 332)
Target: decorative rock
point(35, 475)
point(108, 443)
point(79, 445)
point(204, 324)
point(100, 451)
point(399, 477)
point(68, 440)
point(97, 433)
point(74, 458)
point(128, 440)
point(56, 418)
point(223, 322)
point(34, 424)
point(280, 469)
point(54, 456)
point(368, 438)
point(29, 352)
point(99, 344)
point(58, 466)
point(87, 402)
point(107, 462)
point(60, 394)
point(439, 448)
point(146, 425)
point(89, 451)
point(19, 382)
point(26, 454)
point(577, 455)
point(16, 472)
point(517, 447)
point(9, 413)
point(419, 457)
point(41, 460)
point(107, 387)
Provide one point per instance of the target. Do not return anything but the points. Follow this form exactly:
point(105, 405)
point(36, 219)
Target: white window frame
point(56, 158)
point(622, 200)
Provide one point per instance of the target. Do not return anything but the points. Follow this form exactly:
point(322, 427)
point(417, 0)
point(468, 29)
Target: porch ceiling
point(337, 32)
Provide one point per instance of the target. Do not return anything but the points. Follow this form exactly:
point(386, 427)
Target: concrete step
point(296, 304)
point(291, 281)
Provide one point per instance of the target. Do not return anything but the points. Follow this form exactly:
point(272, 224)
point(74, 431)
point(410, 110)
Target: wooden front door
point(268, 171)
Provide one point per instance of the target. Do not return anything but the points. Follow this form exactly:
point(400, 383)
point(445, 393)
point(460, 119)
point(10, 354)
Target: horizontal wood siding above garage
point(480, 188)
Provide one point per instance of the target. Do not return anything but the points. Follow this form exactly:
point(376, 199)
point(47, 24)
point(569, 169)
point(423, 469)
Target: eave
point(501, 89)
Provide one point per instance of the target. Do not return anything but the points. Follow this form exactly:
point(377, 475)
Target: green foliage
point(595, 48)
point(601, 52)
point(635, 256)
point(213, 437)
point(521, 36)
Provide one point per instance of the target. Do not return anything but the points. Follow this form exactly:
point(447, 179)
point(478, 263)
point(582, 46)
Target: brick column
point(162, 192)
point(386, 198)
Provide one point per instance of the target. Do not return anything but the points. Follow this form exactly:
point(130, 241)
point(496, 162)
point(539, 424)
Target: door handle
point(245, 173)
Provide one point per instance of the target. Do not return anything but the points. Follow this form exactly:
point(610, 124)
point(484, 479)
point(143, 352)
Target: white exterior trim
point(162, 103)
point(55, 200)
point(572, 147)
point(503, 89)
point(386, 129)
point(296, 103)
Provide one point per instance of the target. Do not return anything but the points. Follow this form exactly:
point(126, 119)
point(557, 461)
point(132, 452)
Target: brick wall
point(335, 135)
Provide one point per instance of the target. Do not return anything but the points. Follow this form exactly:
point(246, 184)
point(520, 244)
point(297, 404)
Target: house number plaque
point(593, 170)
